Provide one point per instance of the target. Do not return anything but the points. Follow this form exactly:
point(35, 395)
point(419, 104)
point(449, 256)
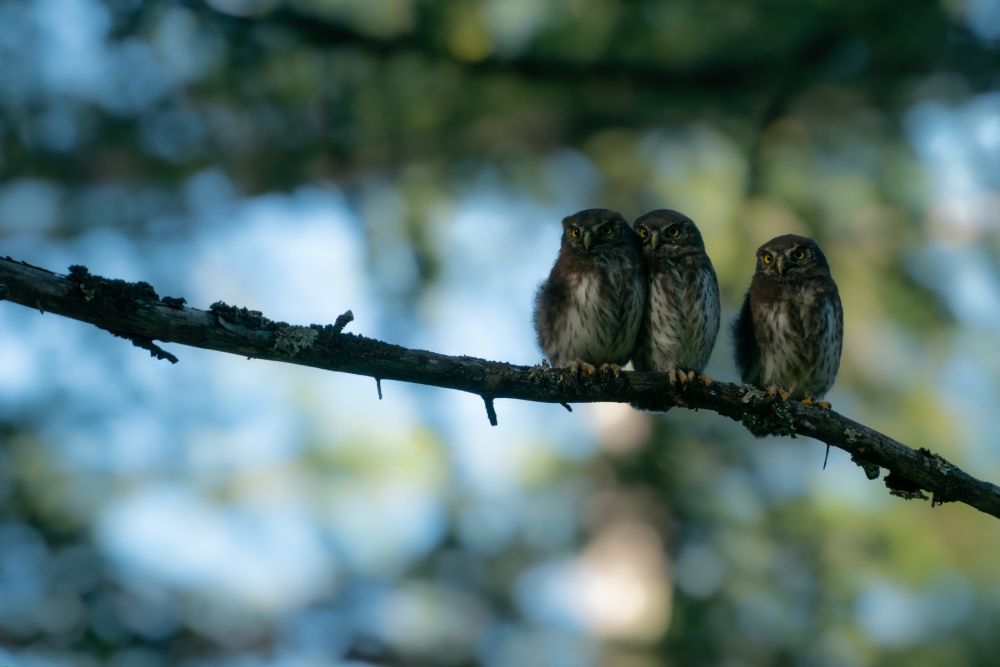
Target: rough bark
point(136, 312)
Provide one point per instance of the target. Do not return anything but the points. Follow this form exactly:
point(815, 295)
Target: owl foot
point(822, 405)
point(580, 367)
point(774, 390)
point(615, 369)
point(676, 375)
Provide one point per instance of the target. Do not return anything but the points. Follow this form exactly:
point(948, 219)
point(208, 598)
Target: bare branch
point(136, 312)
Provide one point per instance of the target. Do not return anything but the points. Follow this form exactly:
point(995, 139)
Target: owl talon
point(705, 379)
point(614, 369)
point(580, 367)
point(774, 390)
point(809, 400)
point(672, 376)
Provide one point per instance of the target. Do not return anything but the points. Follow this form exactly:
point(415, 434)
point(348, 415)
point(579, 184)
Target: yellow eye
point(767, 259)
point(607, 230)
point(799, 255)
point(642, 232)
point(574, 232)
point(674, 232)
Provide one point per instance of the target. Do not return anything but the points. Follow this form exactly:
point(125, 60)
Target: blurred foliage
point(680, 540)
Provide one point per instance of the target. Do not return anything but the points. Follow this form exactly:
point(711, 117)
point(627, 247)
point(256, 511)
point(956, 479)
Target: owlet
point(681, 320)
point(789, 332)
point(588, 311)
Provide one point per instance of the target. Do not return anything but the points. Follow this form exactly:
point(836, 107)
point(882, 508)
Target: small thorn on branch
point(568, 407)
point(378, 386)
point(491, 412)
point(827, 456)
point(342, 321)
point(155, 350)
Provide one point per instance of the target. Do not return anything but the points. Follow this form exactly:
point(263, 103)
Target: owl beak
point(654, 238)
point(779, 263)
point(586, 240)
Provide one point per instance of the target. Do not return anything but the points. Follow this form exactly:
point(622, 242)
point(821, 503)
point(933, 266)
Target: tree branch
point(136, 312)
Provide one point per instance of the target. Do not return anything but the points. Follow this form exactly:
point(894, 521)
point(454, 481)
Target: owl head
point(596, 231)
point(667, 233)
point(791, 257)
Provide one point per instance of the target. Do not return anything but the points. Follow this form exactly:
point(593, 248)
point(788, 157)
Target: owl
point(681, 319)
point(789, 332)
point(588, 311)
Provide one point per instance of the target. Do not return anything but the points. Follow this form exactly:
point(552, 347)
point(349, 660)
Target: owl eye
point(799, 255)
point(607, 230)
point(674, 232)
point(766, 259)
point(642, 232)
point(574, 233)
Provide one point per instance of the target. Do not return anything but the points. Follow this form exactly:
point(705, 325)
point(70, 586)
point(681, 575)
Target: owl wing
point(745, 347)
point(551, 300)
point(709, 307)
point(828, 329)
point(832, 309)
